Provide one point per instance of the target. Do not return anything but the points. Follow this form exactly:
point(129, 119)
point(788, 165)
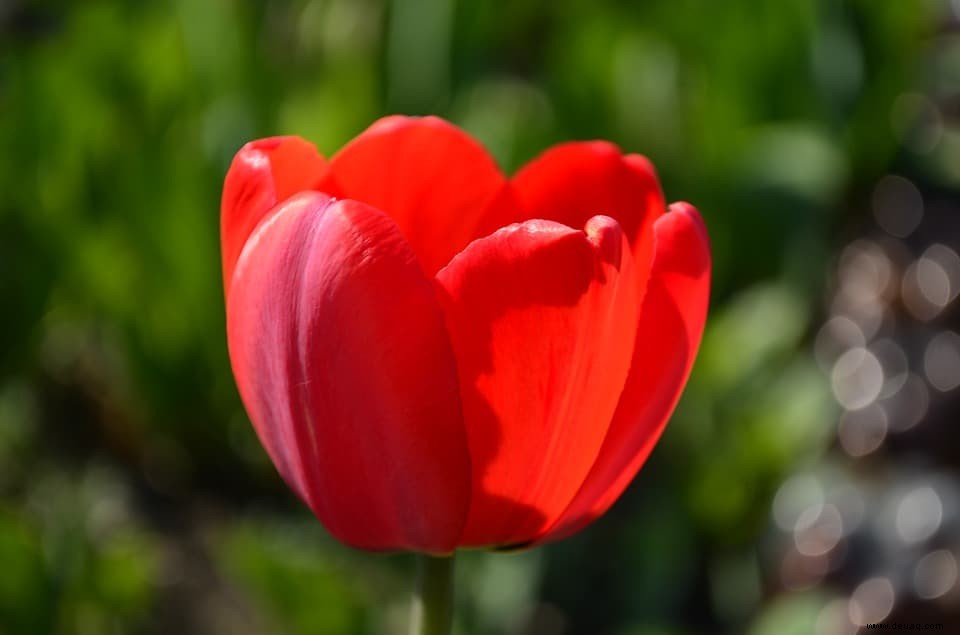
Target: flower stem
point(433, 598)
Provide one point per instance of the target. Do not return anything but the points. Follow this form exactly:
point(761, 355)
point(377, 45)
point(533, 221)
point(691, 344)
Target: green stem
point(433, 598)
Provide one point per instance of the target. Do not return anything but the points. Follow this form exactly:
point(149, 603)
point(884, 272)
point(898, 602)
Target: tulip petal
point(571, 182)
point(542, 320)
point(263, 173)
point(344, 365)
point(671, 324)
point(432, 178)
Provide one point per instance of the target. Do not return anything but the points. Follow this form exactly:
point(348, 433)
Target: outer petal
point(573, 181)
point(343, 362)
point(671, 324)
point(542, 319)
point(263, 173)
point(432, 178)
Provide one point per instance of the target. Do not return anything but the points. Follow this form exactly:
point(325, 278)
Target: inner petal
point(433, 179)
point(542, 319)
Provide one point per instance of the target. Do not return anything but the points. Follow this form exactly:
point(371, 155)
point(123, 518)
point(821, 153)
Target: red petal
point(263, 173)
point(343, 362)
point(432, 178)
point(538, 314)
point(572, 182)
point(671, 323)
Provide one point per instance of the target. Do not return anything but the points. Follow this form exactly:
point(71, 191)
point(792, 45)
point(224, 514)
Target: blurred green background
point(808, 482)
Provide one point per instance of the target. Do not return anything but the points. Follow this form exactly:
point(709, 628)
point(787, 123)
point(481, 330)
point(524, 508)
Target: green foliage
point(298, 584)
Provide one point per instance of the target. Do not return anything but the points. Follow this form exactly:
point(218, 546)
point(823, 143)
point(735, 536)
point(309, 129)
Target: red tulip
point(434, 355)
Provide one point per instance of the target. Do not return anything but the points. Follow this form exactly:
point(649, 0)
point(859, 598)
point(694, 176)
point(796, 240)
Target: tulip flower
point(437, 356)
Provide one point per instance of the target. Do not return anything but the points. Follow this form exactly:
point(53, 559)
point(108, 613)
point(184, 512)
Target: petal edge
point(670, 329)
point(263, 173)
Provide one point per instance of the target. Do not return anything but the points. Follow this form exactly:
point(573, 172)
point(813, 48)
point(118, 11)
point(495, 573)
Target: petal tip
point(606, 236)
point(683, 218)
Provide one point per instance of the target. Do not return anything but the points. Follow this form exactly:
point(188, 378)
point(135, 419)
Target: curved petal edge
point(263, 173)
point(573, 181)
point(670, 329)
